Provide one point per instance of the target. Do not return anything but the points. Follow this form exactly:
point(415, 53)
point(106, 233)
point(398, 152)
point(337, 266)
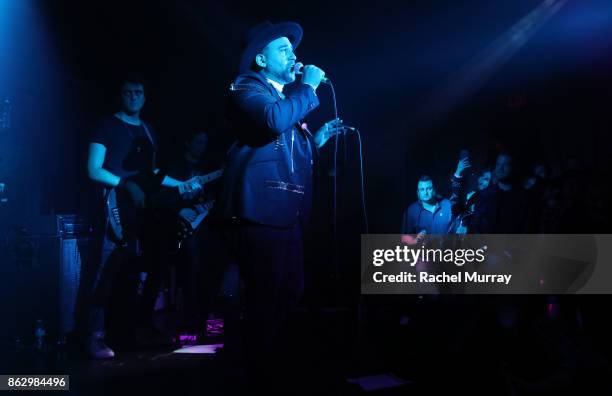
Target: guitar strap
point(144, 125)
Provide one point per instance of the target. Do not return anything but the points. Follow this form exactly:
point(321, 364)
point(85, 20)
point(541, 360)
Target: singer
point(265, 197)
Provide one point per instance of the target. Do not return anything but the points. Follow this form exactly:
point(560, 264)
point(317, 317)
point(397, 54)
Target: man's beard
point(287, 76)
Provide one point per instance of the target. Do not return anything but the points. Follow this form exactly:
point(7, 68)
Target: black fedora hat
point(261, 35)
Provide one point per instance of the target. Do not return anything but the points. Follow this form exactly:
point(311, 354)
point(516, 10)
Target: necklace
point(141, 124)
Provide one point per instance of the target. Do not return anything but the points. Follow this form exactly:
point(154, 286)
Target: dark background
point(420, 79)
point(395, 68)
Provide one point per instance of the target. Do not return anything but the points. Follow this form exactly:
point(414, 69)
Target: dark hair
point(134, 78)
point(484, 170)
point(425, 178)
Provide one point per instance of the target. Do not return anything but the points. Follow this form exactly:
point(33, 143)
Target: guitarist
point(189, 166)
point(122, 152)
point(198, 272)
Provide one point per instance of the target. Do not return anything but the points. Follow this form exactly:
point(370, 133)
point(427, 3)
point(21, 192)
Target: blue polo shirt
point(417, 218)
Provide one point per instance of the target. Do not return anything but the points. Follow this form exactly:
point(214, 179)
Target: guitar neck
point(210, 177)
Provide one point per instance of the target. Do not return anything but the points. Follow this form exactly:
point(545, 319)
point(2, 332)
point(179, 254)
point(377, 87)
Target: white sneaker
point(97, 348)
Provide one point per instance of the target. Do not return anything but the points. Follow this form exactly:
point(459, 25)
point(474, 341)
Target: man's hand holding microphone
point(311, 74)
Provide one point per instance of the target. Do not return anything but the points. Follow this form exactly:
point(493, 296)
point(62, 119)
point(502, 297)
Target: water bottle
point(39, 335)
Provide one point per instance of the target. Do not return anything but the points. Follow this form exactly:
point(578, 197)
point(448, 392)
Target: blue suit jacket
point(268, 178)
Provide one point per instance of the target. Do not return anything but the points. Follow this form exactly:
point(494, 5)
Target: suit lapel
point(275, 93)
point(265, 83)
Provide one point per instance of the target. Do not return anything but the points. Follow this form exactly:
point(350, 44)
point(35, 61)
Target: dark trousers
point(271, 265)
point(200, 273)
point(114, 258)
point(106, 271)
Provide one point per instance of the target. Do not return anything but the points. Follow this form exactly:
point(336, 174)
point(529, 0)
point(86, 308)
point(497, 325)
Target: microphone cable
point(335, 185)
point(361, 172)
point(362, 182)
point(335, 188)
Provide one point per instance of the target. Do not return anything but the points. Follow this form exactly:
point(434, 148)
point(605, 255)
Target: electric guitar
point(120, 211)
point(187, 228)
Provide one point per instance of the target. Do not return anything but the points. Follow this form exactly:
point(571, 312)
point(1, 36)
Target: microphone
point(297, 68)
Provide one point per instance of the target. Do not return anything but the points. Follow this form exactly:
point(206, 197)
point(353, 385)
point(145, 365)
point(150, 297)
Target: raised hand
point(312, 76)
point(190, 188)
point(462, 165)
point(328, 130)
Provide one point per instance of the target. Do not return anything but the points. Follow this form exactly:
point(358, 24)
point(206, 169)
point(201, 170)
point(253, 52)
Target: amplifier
point(43, 278)
point(70, 225)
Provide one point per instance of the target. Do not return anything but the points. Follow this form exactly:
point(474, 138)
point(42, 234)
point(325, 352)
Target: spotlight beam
point(476, 72)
